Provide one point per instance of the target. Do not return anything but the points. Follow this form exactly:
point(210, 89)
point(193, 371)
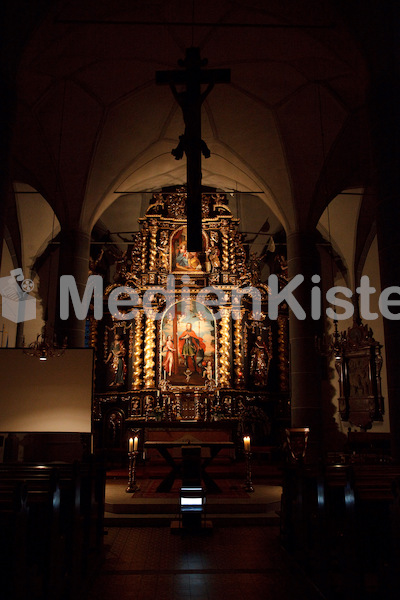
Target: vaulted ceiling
point(93, 126)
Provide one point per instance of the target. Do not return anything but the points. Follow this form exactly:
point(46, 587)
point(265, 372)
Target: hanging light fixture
point(44, 347)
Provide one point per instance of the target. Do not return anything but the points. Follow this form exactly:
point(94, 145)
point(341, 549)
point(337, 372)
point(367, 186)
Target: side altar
point(193, 346)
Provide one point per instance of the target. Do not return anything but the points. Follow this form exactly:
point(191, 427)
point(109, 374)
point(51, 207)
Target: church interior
point(199, 330)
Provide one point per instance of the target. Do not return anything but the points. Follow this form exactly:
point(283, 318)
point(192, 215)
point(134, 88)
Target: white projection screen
point(46, 396)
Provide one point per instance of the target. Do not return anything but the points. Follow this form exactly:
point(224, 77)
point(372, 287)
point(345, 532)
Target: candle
point(246, 441)
point(136, 444)
point(130, 447)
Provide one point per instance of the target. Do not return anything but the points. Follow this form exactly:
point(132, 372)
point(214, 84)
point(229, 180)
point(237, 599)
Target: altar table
point(164, 450)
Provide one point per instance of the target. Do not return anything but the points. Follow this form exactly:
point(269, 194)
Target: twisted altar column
point(225, 247)
point(145, 235)
point(238, 350)
point(137, 352)
point(153, 247)
point(232, 253)
point(224, 379)
point(149, 353)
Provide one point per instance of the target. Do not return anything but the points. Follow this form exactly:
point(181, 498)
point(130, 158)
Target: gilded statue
point(117, 359)
point(260, 358)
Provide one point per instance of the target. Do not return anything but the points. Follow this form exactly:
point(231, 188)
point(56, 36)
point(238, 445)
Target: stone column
point(305, 363)
point(385, 133)
point(7, 94)
point(74, 260)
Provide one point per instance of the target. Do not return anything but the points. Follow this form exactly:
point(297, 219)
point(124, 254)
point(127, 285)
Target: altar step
point(217, 520)
point(258, 508)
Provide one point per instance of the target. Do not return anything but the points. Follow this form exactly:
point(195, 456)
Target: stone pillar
point(305, 363)
point(8, 99)
point(385, 133)
point(74, 260)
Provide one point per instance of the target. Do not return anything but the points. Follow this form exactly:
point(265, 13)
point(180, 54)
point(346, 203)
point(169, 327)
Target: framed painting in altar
point(187, 345)
point(181, 259)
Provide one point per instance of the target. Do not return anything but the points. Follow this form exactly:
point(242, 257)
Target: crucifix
point(190, 143)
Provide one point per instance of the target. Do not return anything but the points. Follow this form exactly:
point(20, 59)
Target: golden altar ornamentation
point(195, 359)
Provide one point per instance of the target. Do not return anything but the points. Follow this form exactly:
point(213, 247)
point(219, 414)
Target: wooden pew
point(55, 511)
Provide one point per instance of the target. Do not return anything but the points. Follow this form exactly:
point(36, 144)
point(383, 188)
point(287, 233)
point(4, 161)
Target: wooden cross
point(190, 143)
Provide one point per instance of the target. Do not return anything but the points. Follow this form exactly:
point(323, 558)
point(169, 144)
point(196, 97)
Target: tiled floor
point(235, 563)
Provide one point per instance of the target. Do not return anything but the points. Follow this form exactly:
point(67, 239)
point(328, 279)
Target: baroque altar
point(193, 348)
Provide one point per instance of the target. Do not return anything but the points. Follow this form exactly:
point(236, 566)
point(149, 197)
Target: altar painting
point(188, 345)
point(181, 258)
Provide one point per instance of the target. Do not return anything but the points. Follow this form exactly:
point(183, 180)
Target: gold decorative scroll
point(93, 333)
point(137, 353)
point(283, 353)
point(149, 354)
point(105, 344)
point(238, 354)
point(131, 335)
point(224, 380)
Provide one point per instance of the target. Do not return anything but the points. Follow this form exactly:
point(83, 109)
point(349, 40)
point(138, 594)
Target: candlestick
point(132, 486)
point(248, 486)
